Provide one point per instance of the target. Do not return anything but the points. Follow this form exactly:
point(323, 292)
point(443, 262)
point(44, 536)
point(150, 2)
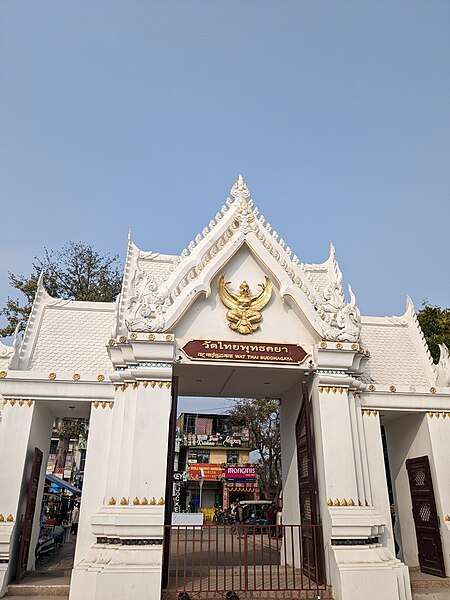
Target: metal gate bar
point(244, 558)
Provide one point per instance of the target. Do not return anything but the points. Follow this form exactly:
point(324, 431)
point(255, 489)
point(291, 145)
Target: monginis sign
point(240, 473)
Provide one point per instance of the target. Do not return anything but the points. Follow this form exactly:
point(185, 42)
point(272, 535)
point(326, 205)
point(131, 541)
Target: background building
point(215, 456)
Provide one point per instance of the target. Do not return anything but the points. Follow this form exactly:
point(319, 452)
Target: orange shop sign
point(209, 472)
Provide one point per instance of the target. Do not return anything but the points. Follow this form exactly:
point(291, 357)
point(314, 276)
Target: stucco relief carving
point(345, 324)
point(145, 311)
point(443, 367)
point(332, 297)
point(152, 307)
point(244, 216)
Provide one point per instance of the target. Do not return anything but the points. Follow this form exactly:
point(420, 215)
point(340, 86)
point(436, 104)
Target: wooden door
point(312, 542)
point(26, 527)
point(426, 520)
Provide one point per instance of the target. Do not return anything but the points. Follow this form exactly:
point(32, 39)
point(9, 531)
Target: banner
point(211, 472)
point(240, 474)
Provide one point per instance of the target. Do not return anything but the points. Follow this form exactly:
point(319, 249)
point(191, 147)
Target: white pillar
point(125, 560)
point(26, 425)
point(378, 481)
point(289, 411)
point(95, 471)
point(439, 430)
point(360, 558)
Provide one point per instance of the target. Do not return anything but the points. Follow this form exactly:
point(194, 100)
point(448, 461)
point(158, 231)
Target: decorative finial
point(15, 343)
point(240, 191)
point(40, 282)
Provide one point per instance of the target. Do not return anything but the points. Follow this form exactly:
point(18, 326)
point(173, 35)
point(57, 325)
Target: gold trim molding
point(152, 383)
point(327, 389)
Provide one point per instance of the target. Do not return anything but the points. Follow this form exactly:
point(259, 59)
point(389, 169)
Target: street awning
point(64, 484)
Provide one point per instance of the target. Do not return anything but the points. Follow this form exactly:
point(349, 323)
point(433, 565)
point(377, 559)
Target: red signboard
point(219, 350)
point(209, 472)
point(240, 473)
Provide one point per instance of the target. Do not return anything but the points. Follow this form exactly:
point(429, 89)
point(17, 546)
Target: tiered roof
point(71, 336)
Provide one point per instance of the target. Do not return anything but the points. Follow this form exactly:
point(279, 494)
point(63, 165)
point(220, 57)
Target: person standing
point(75, 518)
point(272, 519)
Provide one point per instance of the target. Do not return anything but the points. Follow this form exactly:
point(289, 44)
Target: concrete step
point(37, 591)
point(435, 588)
point(443, 594)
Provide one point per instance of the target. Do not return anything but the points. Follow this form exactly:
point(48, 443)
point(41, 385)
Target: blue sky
point(139, 114)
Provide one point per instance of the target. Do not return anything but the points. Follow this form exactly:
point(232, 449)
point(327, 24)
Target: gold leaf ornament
point(244, 314)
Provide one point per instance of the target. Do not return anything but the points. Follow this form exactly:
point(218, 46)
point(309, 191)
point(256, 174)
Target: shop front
point(240, 484)
point(205, 488)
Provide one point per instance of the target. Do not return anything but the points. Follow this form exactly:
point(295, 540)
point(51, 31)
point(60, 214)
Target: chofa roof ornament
point(443, 367)
point(344, 325)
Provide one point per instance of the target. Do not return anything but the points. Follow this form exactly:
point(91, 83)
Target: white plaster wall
point(206, 318)
point(439, 431)
point(289, 411)
point(23, 428)
point(319, 444)
point(378, 483)
point(40, 436)
point(95, 471)
point(150, 442)
point(407, 437)
point(338, 451)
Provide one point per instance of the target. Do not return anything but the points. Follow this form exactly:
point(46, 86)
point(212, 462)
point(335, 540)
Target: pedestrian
point(279, 521)
point(272, 519)
point(75, 517)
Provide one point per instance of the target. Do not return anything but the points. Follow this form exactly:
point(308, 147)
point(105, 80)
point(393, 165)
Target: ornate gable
point(157, 289)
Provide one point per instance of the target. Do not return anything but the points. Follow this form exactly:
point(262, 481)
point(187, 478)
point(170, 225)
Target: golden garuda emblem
point(244, 314)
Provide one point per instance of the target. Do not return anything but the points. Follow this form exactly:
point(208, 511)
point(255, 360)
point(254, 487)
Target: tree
point(75, 272)
point(67, 429)
point(262, 418)
point(435, 324)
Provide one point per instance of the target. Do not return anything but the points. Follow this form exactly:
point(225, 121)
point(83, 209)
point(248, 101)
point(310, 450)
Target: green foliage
point(435, 324)
point(262, 419)
point(68, 429)
point(75, 272)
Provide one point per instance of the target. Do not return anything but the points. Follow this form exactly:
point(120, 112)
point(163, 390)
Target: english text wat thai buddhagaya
point(235, 314)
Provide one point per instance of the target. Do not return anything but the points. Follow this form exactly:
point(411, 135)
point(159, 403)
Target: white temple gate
point(116, 363)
